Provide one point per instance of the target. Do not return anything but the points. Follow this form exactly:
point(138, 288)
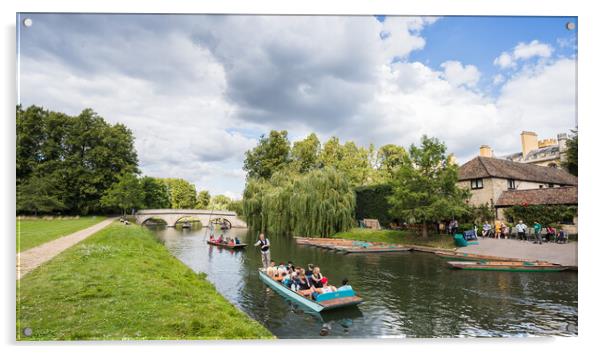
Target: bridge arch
point(152, 217)
point(192, 217)
point(221, 221)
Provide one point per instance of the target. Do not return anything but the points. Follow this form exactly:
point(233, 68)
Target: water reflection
point(407, 295)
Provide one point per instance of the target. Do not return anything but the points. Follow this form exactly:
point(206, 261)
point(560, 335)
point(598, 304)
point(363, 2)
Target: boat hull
point(508, 266)
point(310, 304)
point(233, 247)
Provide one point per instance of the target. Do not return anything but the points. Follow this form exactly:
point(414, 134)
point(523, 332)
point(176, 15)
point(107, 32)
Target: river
point(406, 295)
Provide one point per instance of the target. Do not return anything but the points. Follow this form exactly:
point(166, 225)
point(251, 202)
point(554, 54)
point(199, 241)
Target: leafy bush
point(544, 214)
point(372, 203)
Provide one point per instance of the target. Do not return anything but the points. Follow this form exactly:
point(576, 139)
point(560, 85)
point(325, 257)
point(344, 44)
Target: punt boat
point(462, 256)
point(225, 245)
point(324, 302)
point(508, 266)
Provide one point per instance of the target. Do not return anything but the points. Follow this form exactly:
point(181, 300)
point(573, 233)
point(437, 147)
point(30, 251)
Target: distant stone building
point(546, 152)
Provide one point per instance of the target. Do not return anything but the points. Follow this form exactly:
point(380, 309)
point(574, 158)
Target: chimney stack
point(529, 142)
point(485, 151)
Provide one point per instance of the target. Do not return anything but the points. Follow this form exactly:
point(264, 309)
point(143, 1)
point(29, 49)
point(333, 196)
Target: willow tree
point(322, 203)
point(318, 203)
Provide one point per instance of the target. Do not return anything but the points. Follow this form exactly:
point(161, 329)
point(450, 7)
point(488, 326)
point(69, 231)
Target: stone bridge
point(172, 216)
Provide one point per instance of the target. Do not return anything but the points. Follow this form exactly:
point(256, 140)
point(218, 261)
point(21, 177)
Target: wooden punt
point(461, 256)
point(336, 299)
point(225, 245)
point(508, 266)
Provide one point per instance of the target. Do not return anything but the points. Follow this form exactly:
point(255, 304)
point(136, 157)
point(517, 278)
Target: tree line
point(82, 164)
point(306, 188)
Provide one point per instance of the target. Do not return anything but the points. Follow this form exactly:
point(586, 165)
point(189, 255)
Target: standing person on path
point(264, 243)
point(537, 229)
point(521, 230)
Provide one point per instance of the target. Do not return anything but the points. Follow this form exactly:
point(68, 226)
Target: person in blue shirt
point(345, 285)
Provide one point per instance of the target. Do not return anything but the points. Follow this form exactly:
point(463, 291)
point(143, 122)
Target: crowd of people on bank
point(308, 282)
point(499, 229)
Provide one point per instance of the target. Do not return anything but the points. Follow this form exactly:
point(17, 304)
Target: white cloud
point(534, 49)
point(523, 51)
point(458, 74)
point(504, 61)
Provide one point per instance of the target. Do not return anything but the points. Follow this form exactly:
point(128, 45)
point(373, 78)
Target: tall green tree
point(203, 199)
point(38, 195)
point(424, 187)
point(81, 155)
point(389, 159)
point(571, 162)
point(155, 193)
point(271, 154)
point(318, 203)
point(182, 194)
point(305, 153)
point(349, 159)
point(219, 202)
point(124, 194)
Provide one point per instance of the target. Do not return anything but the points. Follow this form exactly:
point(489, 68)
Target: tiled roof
point(542, 196)
point(485, 167)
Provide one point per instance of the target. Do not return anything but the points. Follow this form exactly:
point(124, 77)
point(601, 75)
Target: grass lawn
point(120, 283)
point(34, 232)
point(398, 237)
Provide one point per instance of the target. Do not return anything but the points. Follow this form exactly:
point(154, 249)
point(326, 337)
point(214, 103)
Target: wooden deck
point(340, 302)
point(351, 246)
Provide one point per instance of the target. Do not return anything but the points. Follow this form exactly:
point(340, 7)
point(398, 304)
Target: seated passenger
point(281, 267)
point(220, 239)
point(302, 281)
point(211, 238)
point(316, 278)
point(237, 241)
point(230, 242)
point(324, 289)
point(345, 285)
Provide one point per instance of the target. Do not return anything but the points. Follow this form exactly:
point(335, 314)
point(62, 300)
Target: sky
point(198, 91)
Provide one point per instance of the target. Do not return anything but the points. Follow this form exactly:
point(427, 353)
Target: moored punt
point(509, 266)
point(324, 302)
point(225, 245)
point(461, 256)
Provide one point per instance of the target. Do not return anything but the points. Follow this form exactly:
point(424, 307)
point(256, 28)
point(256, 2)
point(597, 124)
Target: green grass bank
point(32, 232)
point(122, 284)
point(397, 237)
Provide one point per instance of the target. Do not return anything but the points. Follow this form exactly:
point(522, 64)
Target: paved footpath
point(34, 257)
point(565, 254)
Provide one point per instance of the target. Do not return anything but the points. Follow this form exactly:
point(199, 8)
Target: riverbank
point(122, 284)
point(32, 232)
point(564, 254)
point(397, 237)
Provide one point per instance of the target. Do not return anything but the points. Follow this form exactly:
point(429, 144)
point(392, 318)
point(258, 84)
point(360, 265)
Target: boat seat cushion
point(335, 295)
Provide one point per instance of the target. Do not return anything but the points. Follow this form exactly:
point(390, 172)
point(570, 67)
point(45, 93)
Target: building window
point(476, 183)
point(540, 186)
point(550, 185)
point(511, 184)
point(552, 164)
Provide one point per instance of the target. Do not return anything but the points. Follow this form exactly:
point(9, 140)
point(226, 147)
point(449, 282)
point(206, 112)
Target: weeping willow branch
point(319, 203)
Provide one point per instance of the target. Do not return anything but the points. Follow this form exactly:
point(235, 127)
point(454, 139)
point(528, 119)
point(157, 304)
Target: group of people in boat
point(224, 241)
point(308, 282)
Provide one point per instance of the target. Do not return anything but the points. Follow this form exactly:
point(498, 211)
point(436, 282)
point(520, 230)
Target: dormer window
point(511, 184)
point(476, 183)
